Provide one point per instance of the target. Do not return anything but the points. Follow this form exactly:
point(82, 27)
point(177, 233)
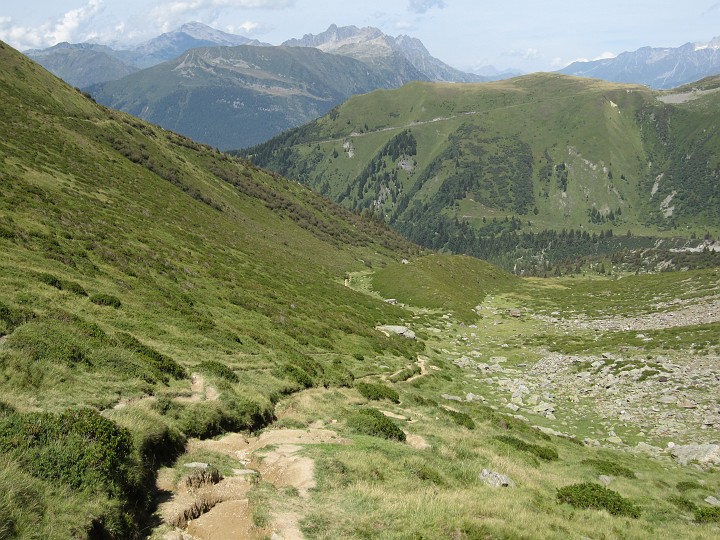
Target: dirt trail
point(199, 390)
point(222, 510)
point(422, 364)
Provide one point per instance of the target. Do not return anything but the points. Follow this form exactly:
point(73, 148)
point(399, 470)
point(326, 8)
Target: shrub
point(49, 279)
point(375, 391)
point(79, 448)
point(74, 288)
point(708, 514)
point(102, 299)
point(687, 485)
point(5, 409)
point(337, 375)
point(13, 317)
point(603, 466)
point(158, 361)
point(212, 367)
point(51, 341)
point(405, 374)
point(460, 418)
point(590, 495)
point(543, 452)
point(682, 503)
point(373, 422)
point(295, 373)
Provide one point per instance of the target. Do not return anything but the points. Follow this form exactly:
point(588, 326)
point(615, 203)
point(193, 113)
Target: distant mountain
point(659, 68)
point(192, 35)
point(82, 64)
point(372, 46)
point(85, 64)
point(233, 97)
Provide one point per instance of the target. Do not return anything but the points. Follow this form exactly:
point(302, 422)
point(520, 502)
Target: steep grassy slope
point(230, 97)
point(473, 168)
point(131, 258)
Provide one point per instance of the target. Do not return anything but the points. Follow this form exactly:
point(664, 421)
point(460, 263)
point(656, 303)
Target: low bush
point(5, 409)
point(337, 375)
point(405, 374)
point(373, 422)
point(589, 495)
point(11, 317)
point(79, 448)
point(682, 503)
point(294, 373)
point(543, 452)
point(460, 418)
point(687, 485)
point(708, 514)
point(212, 367)
point(49, 279)
point(74, 288)
point(45, 340)
point(376, 391)
point(102, 299)
point(160, 362)
point(603, 466)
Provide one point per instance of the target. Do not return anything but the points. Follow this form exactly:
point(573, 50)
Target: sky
point(526, 35)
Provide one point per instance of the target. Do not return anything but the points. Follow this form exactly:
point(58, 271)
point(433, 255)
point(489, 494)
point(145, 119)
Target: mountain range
point(233, 97)
point(659, 68)
point(498, 170)
point(85, 64)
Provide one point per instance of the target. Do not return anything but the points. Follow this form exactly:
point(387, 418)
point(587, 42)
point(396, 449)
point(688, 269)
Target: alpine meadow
point(442, 311)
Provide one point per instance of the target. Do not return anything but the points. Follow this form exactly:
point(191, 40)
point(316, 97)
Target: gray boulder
point(495, 480)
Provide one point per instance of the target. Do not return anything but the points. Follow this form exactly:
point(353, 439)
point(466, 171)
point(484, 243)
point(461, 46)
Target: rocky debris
point(473, 397)
point(495, 480)
point(515, 312)
point(712, 501)
point(451, 397)
point(703, 454)
point(403, 331)
point(197, 465)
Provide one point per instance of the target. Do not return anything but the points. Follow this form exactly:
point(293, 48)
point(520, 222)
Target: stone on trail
point(403, 331)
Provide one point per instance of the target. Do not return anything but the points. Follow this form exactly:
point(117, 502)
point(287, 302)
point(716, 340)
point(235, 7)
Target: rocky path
point(217, 510)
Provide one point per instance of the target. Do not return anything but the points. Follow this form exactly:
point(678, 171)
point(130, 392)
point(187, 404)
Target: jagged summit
point(370, 44)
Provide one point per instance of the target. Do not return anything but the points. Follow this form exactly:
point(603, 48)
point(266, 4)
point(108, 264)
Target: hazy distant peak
point(712, 44)
point(336, 37)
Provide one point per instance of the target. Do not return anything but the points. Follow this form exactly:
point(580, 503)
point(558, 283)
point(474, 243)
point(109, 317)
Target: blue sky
point(529, 35)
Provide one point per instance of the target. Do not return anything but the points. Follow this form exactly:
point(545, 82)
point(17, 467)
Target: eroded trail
point(200, 508)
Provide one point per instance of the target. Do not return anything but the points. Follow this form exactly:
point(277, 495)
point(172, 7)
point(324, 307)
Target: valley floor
point(619, 381)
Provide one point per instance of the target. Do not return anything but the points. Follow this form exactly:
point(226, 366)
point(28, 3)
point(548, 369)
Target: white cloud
point(64, 28)
point(421, 6)
point(605, 56)
point(249, 26)
point(169, 15)
point(526, 54)
point(404, 25)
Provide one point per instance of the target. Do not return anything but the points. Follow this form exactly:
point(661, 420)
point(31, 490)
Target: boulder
point(712, 501)
point(704, 454)
point(495, 480)
point(403, 331)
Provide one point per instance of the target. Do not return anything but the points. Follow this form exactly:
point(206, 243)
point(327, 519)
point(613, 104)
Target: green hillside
point(485, 168)
point(192, 346)
point(133, 256)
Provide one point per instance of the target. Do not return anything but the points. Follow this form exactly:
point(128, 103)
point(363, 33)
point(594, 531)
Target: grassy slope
point(613, 139)
point(206, 259)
